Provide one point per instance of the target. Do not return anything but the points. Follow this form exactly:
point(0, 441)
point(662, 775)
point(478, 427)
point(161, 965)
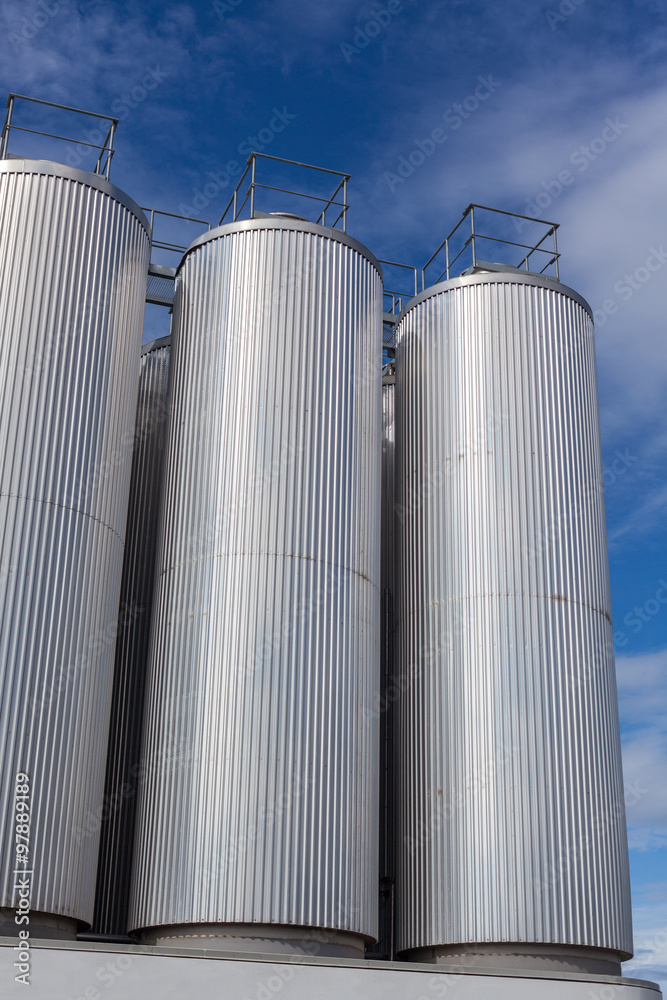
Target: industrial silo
point(124, 772)
point(388, 479)
point(258, 817)
point(388, 691)
point(512, 839)
point(74, 254)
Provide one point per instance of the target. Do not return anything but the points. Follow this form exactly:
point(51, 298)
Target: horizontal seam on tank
point(282, 555)
point(62, 506)
point(542, 597)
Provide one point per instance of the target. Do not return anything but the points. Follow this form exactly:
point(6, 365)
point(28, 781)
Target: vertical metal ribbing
point(260, 801)
point(387, 696)
point(511, 795)
point(124, 771)
point(73, 263)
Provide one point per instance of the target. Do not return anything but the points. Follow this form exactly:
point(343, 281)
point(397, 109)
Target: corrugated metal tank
point(259, 814)
point(388, 479)
point(511, 811)
point(384, 948)
point(388, 690)
point(124, 770)
point(74, 256)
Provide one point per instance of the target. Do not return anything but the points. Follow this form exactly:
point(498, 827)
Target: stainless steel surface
point(511, 809)
point(266, 939)
point(288, 225)
point(385, 704)
point(388, 479)
point(73, 261)
point(563, 958)
point(262, 807)
point(124, 771)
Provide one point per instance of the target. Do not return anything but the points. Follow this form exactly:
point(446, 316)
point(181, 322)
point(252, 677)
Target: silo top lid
point(281, 221)
point(155, 345)
point(497, 277)
point(279, 215)
point(52, 168)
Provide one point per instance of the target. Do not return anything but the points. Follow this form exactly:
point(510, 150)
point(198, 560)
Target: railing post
point(472, 230)
point(112, 132)
point(556, 253)
point(252, 187)
point(7, 125)
point(345, 204)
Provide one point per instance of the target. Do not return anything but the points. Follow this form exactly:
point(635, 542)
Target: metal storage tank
point(384, 948)
point(511, 812)
point(258, 821)
point(74, 254)
point(388, 478)
point(124, 769)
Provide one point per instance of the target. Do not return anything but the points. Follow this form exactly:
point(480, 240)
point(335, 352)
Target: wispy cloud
point(650, 934)
point(645, 518)
point(642, 690)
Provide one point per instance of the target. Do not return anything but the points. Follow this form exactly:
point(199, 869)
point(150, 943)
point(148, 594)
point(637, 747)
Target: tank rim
point(155, 345)
point(25, 165)
point(280, 222)
point(495, 278)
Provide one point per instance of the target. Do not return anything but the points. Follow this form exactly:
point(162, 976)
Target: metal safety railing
point(102, 167)
point(475, 236)
point(238, 206)
point(161, 278)
point(393, 299)
point(163, 244)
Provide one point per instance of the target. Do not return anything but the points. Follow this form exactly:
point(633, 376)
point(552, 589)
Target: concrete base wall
point(101, 971)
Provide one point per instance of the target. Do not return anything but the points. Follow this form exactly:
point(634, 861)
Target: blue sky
point(571, 119)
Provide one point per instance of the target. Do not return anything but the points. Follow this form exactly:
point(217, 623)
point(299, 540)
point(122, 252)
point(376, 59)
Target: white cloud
point(642, 692)
point(649, 512)
point(650, 935)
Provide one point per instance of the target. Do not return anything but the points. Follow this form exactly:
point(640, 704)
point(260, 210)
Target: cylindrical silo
point(388, 690)
point(384, 948)
point(74, 254)
point(388, 480)
point(258, 814)
point(512, 825)
point(124, 771)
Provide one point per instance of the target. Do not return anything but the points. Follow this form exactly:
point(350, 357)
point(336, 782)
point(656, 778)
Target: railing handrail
point(161, 244)
point(251, 165)
point(474, 236)
point(408, 267)
point(106, 147)
point(63, 107)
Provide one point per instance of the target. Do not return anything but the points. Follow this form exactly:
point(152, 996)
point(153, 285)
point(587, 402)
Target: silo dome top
point(288, 215)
